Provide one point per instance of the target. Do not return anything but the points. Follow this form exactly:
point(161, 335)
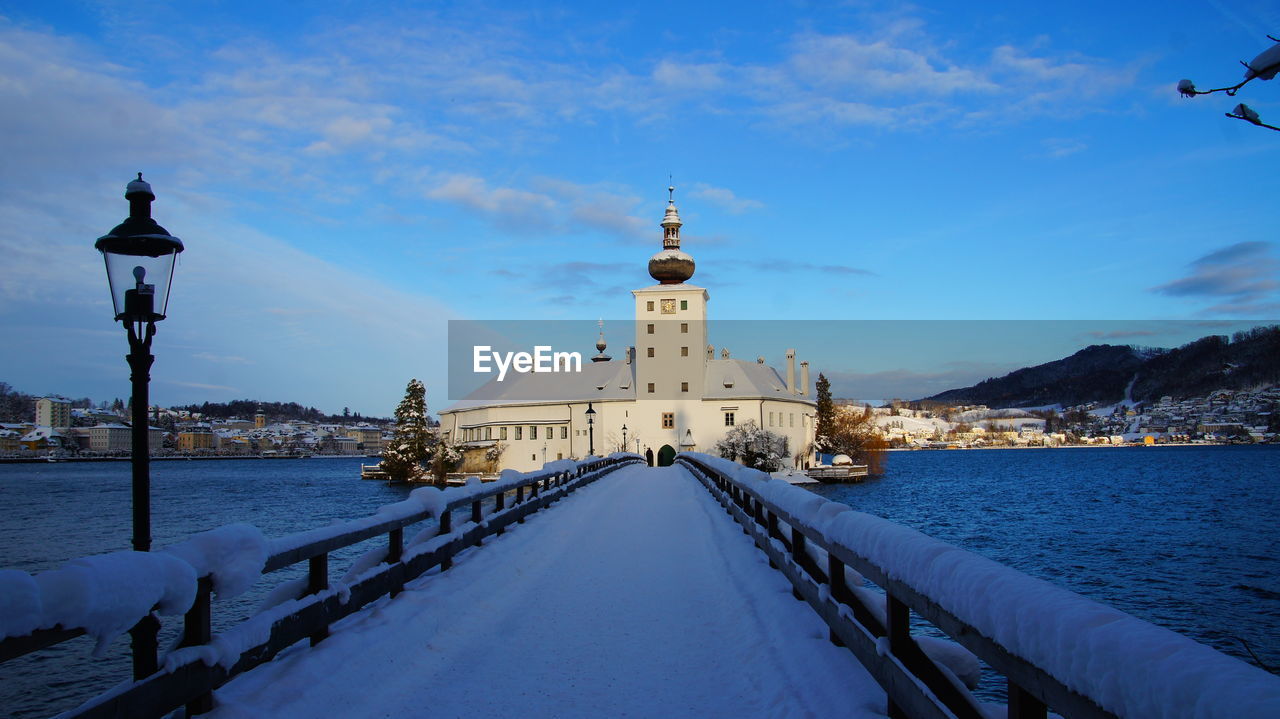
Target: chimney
point(791, 371)
point(804, 377)
point(711, 351)
point(630, 353)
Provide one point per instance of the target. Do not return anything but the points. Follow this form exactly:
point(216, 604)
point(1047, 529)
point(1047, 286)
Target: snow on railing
point(106, 595)
point(1056, 648)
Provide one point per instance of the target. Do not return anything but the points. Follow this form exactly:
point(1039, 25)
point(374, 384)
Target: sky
point(348, 177)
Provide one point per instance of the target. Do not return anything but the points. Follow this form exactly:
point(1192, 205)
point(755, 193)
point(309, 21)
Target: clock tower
point(671, 322)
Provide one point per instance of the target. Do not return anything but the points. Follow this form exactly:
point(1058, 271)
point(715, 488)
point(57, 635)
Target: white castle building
point(669, 392)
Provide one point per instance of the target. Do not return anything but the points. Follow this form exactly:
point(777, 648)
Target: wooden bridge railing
point(916, 686)
point(190, 673)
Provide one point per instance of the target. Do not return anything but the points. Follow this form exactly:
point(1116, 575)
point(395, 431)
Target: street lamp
point(591, 431)
point(140, 257)
point(624, 438)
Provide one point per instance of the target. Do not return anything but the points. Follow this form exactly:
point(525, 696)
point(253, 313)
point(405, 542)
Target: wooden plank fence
point(155, 693)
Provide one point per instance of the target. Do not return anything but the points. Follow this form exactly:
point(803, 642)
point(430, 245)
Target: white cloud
point(725, 198)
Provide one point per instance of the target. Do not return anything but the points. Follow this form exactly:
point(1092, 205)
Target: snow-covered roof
point(615, 380)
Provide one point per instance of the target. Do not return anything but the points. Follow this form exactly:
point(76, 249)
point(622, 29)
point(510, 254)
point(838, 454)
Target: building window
point(771, 419)
point(684, 304)
point(649, 328)
point(684, 386)
point(650, 388)
point(559, 455)
point(533, 457)
point(564, 432)
point(519, 430)
point(648, 306)
point(488, 432)
point(650, 351)
point(684, 351)
point(502, 433)
point(668, 420)
point(533, 431)
point(684, 328)
point(793, 419)
point(728, 419)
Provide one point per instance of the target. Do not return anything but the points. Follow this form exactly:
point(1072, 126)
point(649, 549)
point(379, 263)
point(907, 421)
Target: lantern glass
point(140, 284)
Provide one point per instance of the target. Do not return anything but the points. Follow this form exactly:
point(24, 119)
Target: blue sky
point(349, 176)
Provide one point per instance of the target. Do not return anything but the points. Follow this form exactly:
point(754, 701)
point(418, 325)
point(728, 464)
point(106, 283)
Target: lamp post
point(140, 257)
point(591, 431)
point(624, 438)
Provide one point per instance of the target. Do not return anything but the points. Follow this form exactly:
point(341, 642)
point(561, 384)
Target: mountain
point(1103, 373)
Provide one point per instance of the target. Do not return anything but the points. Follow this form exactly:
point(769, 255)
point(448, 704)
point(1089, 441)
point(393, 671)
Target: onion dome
point(671, 266)
point(600, 346)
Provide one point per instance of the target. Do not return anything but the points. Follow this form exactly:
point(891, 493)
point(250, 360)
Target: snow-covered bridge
point(649, 592)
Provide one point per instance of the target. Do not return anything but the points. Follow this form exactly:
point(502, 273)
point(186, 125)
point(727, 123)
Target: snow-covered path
point(636, 596)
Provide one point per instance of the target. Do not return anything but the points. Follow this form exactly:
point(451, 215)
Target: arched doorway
point(666, 455)
point(648, 456)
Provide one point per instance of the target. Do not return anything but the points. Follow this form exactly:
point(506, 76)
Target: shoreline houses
point(669, 389)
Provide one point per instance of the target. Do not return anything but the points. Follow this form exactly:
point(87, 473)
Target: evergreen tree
point(411, 445)
point(826, 412)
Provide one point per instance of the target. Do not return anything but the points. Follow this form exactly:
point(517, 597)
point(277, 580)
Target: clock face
point(668, 307)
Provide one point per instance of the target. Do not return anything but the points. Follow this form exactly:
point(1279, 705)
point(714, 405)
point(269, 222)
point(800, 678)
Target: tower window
point(684, 386)
point(728, 419)
point(668, 420)
point(684, 304)
point(648, 306)
point(650, 351)
point(684, 351)
point(684, 328)
point(649, 328)
point(650, 388)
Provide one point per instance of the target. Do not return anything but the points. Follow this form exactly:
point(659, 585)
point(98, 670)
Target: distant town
point(1222, 417)
point(60, 430)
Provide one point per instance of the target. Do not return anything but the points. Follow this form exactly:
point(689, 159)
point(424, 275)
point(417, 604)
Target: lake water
point(1185, 537)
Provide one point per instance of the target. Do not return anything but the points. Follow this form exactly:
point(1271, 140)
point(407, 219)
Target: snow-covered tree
point(411, 445)
point(1263, 67)
point(754, 446)
point(445, 457)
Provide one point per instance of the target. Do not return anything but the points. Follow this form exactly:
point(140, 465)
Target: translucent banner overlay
point(538, 361)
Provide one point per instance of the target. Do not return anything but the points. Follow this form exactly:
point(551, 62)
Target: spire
point(671, 222)
point(600, 345)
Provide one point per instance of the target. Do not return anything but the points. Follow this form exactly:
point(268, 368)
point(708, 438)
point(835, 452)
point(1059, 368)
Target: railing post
point(898, 628)
point(395, 551)
point(477, 516)
point(446, 527)
point(318, 581)
point(1022, 705)
point(145, 643)
point(798, 555)
point(499, 504)
point(839, 585)
point(197, 630)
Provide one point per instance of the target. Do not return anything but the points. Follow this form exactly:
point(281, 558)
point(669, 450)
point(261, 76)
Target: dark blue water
point(1184, 537)
point(56, 512)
